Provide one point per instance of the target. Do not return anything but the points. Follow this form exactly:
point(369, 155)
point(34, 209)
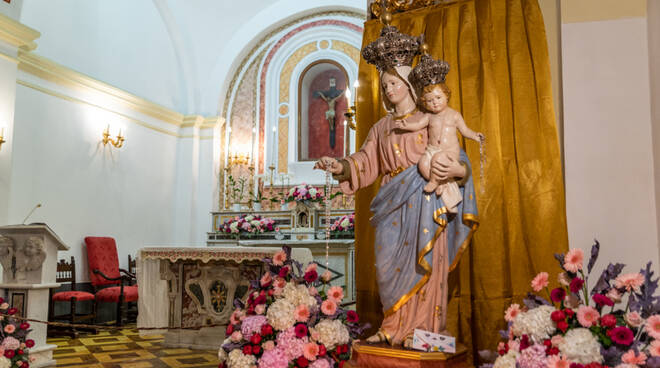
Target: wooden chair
point(105, 275)
point(66, 272)
point(132, 311)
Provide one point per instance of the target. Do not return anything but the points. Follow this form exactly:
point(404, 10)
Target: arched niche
point(321, 107)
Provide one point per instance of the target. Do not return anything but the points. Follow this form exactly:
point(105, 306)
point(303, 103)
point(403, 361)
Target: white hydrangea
point(581, 346)
point(234, 227)
point(298, 295)
point(312, 192)
point(535, 323)
point(249, 218)
point(345, 223)
point(331, 333)
point(280, 314)
point(255, 223)
point(239, 360)
point(222, 354)
point(5, 363)
point(507, 360)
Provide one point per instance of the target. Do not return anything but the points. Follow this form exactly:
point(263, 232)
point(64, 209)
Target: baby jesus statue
point(442, 121)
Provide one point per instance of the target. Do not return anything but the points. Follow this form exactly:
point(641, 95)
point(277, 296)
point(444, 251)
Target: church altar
point(184, 287)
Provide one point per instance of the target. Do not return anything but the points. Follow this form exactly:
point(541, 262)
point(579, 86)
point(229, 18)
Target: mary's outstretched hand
point(330, 164)
point(447, 168)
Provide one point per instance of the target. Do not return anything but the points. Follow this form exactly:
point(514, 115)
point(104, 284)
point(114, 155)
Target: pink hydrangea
point(10, 343)
point(533, 357)
point(275, 358)
point(320, 363)
point(252, 325)
point(291, 345)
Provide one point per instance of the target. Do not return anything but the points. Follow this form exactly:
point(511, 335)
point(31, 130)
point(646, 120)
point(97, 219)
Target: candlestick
point(272, 150)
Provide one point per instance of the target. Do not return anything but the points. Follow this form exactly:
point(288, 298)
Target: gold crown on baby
point(427, 72)
point(391, 49)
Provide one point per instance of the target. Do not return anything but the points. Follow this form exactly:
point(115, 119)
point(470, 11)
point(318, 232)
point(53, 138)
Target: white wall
point(122, 42)
point(610, 187)
point(12, 9)
point(87, 189)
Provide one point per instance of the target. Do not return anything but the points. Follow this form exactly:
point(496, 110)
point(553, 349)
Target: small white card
point(429, 341)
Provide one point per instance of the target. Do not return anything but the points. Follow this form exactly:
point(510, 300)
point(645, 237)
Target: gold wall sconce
point(2, 137)
point(118, 143)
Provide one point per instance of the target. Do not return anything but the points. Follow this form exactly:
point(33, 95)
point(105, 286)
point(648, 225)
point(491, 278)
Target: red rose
point(302, 362)
point(341, 364)
point(524, 342)
point(322, 350)
point(352, 316)
point(256, 349)
point(247, 350)
point(261, 299)
point(228, 331)
point(222, 365)
point(553, 351)
point(569, 312)
point(29, 343)
point(311, 276)
point(547, 343)
point(501, 352)
point(608, 321)
point(19, 351)
point(562, 325)
point(601, 300)
point(558, 316)
point(9, 354)
point(255, 339)
point(26, 365)
point(24, 326)
point(270, 292)
point(283, 271)
point(266, 330)
point(12, 311)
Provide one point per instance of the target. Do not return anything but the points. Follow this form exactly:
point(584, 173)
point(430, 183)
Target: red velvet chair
point(66, 272)
point(105, 275)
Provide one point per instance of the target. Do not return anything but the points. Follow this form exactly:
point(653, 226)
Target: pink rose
point(260, 309)
point(266, 279)
point(557, 340)
point(633, 319)
point(236, 336)
point(268, 345)
point(10, 328)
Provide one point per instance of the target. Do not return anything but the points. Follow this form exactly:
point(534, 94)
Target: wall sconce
point(118, 143)
point(2, 137)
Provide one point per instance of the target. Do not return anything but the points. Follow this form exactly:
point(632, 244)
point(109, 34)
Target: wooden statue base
point(383, 355)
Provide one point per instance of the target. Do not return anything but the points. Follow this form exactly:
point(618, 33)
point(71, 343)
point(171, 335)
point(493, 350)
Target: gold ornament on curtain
point(395, 6)
point(501, 85)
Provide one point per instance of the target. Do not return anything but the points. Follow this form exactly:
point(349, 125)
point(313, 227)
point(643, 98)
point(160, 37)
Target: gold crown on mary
point(391, 49)
point(428, 71)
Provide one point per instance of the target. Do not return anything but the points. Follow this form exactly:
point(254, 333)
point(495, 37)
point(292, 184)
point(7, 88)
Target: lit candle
point(356, 84)
point(272, 153)
point(348, 96)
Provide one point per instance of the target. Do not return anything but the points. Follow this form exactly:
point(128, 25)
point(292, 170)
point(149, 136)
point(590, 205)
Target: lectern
point(28, 255)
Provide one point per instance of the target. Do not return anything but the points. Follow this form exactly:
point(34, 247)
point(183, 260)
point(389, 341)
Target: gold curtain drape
point(500, 82)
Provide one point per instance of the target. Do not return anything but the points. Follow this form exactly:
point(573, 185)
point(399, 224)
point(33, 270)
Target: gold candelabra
point(234, 160)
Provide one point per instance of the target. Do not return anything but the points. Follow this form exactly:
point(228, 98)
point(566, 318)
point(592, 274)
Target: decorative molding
point(18, 34)
point(200, 122)
point(53, 72)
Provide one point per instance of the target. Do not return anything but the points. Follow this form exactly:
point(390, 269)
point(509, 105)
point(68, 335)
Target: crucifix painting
point(323, 103)
point(330, 96)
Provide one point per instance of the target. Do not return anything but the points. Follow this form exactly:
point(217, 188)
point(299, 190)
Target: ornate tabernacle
point(191, 287)
point(301, 227)
point(383, 355)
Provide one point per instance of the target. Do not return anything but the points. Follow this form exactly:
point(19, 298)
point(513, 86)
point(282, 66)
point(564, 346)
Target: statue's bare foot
point(376, 338)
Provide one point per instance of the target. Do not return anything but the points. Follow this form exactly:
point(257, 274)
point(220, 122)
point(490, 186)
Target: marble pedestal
point(28, 254)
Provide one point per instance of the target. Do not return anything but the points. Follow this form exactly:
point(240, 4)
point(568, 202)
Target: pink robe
point(385, 152)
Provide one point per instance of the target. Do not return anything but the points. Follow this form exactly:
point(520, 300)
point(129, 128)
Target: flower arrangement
point(248, 225)
point(14, 348)
point(579, 328)
point(292, 318)
point(344, 225)
point(304, 193)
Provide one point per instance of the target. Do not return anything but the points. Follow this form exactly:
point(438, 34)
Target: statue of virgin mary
point(417, 241)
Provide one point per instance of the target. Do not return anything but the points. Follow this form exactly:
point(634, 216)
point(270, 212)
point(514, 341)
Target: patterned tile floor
point(126, 349)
